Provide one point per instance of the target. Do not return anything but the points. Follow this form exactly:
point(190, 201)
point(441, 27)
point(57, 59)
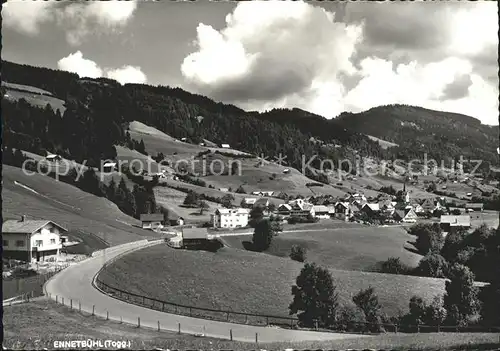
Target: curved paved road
point(74, 284)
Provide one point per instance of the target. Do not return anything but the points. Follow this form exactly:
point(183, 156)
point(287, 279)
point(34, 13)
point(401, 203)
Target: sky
point(323, 57)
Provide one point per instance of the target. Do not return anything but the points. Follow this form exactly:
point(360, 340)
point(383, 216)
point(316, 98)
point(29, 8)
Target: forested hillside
point(418, 130)
point(98, 111)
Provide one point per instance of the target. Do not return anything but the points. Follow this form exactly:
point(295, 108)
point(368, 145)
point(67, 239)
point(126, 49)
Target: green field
point(93, 220)
point(173, 200)
point(34, 96)
point(359, 249)
point(247, 281)
point(252, 178)
point(28, 326)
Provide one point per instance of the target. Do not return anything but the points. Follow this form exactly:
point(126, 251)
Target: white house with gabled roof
point(31, 240)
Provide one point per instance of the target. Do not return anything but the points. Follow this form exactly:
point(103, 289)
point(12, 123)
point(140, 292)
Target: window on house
point(5, 243)
point(39, 243)
point(52, 241)
point(19, 243)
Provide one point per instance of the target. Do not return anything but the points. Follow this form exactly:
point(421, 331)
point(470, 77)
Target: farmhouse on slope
point(31, 240)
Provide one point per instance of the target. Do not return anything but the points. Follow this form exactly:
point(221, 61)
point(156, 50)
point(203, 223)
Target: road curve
point(73, 286)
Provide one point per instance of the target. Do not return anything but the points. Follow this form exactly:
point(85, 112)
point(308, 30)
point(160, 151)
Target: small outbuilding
point(152, 220)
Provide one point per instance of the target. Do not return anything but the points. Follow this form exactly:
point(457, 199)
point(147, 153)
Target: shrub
point(298, 253)
point(461, 299)
point(315, 296)
point(393, 265)
point(350, 319)
point(263, 234)
point(367, 301)
point(429, 237)
point(432, 265)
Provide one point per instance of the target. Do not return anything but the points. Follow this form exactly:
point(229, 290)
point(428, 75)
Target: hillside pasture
point(383, 143)
point(37, 324)
point(173, 200)
point(213, 192)
point(255, 177)
point(156, 141)
point(357, 249)
point(58, 167)
point(247, 281)
point(87, 217)
point(62, 168)
point(27, 88)
point(460, 189)
point(490, 218)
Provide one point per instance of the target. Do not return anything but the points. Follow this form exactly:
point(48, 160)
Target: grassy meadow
point(246, 281)
point(27, 326)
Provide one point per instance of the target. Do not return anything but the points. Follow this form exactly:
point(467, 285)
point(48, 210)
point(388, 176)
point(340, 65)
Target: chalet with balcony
point(31, 240)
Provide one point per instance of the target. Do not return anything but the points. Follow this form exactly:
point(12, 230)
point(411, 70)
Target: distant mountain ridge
point(411, 126)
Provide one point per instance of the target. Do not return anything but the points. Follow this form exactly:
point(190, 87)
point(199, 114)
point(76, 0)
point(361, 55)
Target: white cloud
point(94, 17)
point(26, 17)
point(279, 52)
point(422, 85)
point(293, 54)
point(480, 32)
point(76, 63)
point(127, 74)
point(78, 19)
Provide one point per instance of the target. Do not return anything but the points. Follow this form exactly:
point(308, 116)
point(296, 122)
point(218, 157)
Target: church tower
point(406, 194)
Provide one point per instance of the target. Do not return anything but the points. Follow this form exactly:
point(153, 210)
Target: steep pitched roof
point(343, 204)
point(399, 214)
point(250, 200)
point(373, 207)
point(27, 226)
point(307, 207)
point(194, 233)
point(474, 205)
point(262, 202)
point(286, 206)
point(233, 210)
point(455, 221)
point(320, 208)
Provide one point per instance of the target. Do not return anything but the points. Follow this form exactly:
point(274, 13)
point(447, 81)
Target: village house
point(321, 211)
point(225, 146)
point(371, 209)
point(152, 220)
point(430, 205)
point(387, 206)
point(262, 202)
point(224, 190)
point(230, 218)
point(358, 198)
point(248, 202)
point(53, 158)
point(417, 208)
point(474, 207)
point(342, 209)
point(301, 208)
point(407, 215)
point(194, 237)
point(284, 210)
point(31, 240)
point(173, 219)
point(454, 222)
